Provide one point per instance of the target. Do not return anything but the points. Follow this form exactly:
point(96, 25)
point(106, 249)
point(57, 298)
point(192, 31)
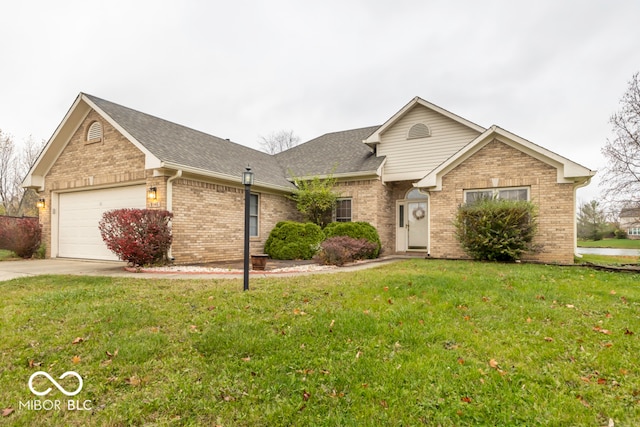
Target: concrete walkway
point(28, 268)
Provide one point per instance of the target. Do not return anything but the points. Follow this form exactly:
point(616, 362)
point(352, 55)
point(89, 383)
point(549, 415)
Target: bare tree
point(622, 173)
point(7, 171)
point(279, 141)
point(14, 165)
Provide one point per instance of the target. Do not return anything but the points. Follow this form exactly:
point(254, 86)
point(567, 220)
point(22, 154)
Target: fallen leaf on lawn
point(211, 307)
point(133, 381)
point(540, 297)
point(548, 339)
point(111, 355)
point(606, 344)
point(75, 359)
point(466, 399)
point(246, 359)
point(333, 322)
point(624, 371)
point(358, 354)
point(78, 340)
point(386, 288)
point(570, 306)
point(602, 331)
point(324, 372)
point(389, 301)
point(34, 364)
point(155, 329)
point(529, 320)
point(461, 360)
point(486, 299)
point(584, 402)
point(7, 411)
point(106, 362)
point(493, 363)
point(467, 318)
point(421, 321)
point(602, 381)
point(306, 300)
point(306, 395)
point(585, 379)
point(624, 300)
point(384, 404)
point(365, 311)
point(628, 332)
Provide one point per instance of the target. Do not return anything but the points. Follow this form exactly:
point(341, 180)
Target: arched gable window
point(94, 133)
point(419, 130)
point(415, 193)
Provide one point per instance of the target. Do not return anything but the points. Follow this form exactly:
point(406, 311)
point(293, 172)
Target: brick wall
point(512, 168)
point(208, 223)
point(82, 165)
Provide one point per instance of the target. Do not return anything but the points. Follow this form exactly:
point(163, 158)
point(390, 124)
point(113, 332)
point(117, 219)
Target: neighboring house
point(629, 219)
point(406, 177)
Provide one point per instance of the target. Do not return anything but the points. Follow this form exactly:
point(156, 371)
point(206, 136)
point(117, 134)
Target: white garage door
point(80, 213)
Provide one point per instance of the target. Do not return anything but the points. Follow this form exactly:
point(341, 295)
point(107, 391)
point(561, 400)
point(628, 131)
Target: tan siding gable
point(414, 158)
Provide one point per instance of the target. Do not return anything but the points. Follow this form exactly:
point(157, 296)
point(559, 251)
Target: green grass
point(608, 259)
point(6, 255)
point(610, 243)
point(419, 342)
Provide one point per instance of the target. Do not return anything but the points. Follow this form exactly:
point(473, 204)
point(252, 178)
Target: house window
point(253, 215)
point(419, 130)
point(94, 133)
point(343, 210)
point(471, 196)
point(634, 231)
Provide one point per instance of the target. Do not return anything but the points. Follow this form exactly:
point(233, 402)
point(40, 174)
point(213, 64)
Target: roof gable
point(568, 171)
point(165, 145)
point(375, 137)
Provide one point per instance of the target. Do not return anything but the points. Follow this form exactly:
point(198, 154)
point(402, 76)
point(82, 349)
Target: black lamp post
point(247, 180)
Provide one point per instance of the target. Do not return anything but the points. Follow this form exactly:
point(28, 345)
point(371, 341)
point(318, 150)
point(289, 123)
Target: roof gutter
point(222, 176)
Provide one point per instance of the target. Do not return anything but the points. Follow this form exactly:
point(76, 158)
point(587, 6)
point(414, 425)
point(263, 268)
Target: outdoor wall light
point(152, 193)
point(40, 204)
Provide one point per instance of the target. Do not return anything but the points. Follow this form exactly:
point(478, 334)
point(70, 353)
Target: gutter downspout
point(575, 216)
point(170, 200)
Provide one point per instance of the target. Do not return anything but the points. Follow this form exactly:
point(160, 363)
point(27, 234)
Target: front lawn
point(418, 342)
point(7, 255)
point(610, 243)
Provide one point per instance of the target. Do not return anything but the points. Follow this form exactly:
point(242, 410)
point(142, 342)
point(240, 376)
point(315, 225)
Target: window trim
point(257, 215)
point(633, 231)
point(496, 192)
point(336, 218)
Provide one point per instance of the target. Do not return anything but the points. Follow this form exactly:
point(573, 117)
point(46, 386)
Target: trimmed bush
point(355, 230)
point(20, 235)
point(293, 240)
point(339, 250)
point(138, 236)
point(496, 230)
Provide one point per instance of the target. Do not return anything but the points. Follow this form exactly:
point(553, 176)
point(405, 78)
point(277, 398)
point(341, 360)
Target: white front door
point(417, 226)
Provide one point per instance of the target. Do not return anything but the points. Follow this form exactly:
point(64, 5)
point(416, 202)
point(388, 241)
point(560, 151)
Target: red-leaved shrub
point(20, 235)
point(342, 249)
point(138, 236)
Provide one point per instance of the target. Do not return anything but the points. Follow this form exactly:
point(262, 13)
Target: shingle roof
point(333, 153)
point(180, 145)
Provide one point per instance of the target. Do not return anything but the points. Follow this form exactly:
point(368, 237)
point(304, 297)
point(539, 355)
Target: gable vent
point(419, 130)
point(94, 134)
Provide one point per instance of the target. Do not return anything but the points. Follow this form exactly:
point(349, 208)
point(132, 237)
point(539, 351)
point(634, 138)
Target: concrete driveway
point(35, 267)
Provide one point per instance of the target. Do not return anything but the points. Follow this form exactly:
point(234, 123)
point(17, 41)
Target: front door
point(417, 226)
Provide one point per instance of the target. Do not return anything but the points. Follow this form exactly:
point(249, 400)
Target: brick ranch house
point(406, 177)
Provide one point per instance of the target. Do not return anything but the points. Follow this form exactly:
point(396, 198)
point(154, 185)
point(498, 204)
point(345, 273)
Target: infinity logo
point(55, 383)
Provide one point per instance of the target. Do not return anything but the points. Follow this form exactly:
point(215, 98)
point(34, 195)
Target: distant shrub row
point(338, 243)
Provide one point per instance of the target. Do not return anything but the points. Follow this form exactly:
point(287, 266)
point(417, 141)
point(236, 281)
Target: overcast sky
point(550, 71)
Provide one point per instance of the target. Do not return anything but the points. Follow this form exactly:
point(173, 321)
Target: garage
point(79, 215)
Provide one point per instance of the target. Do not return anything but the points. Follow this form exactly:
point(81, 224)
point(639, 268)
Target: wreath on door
point(419, 213)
